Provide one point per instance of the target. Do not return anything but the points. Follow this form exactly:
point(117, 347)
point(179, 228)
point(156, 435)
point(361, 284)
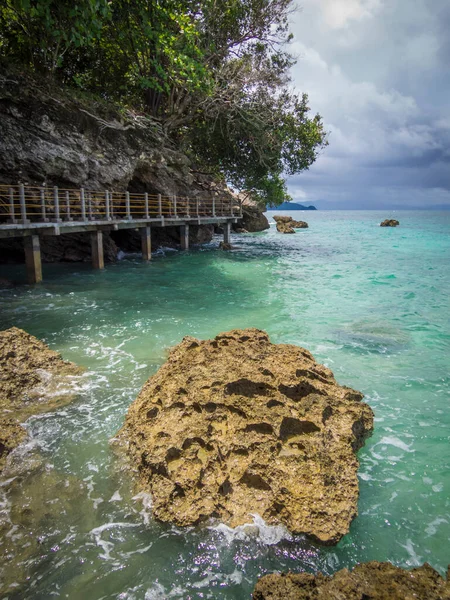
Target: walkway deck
point(30, 212)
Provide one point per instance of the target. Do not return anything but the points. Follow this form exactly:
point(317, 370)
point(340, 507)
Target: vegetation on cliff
point(215, 74)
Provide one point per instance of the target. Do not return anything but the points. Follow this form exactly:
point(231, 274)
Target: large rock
point(390, 223)
point(373, 580)
point(237, 425)
point(32, 380)
point(283, 227)
point(253, 219)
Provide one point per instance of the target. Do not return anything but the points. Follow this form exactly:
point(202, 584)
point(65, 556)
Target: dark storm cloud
point(378, 72)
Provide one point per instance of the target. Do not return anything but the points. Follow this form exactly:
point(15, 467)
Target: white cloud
point(339, 13)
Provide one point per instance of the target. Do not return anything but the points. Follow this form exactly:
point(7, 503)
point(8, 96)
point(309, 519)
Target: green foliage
point(215, 73)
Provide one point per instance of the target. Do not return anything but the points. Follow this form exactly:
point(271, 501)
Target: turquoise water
point(371, 303)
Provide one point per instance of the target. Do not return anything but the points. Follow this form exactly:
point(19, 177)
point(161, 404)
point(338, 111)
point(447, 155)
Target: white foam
point(259, 529)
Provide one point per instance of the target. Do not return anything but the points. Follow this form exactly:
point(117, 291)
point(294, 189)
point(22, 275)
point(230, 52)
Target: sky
point(378, 71)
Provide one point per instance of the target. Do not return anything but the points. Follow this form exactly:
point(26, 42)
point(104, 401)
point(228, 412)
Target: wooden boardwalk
point(31, 212)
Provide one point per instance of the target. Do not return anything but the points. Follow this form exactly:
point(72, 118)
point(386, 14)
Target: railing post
point(56, 203)
point(197, 207)
point(175, 207)
point(127, 205)
point(188, 208)
point(90, 206)
point(107, 206)
point(160, 215)
point(12, 216)
point(240, 208)
point(213, 207)
point(23, 208)
point(42, 196)
point(83, 205)
point(68, 206)
point(147, 216)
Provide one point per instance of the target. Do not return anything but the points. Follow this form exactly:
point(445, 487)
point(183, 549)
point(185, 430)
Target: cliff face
point(49, 138)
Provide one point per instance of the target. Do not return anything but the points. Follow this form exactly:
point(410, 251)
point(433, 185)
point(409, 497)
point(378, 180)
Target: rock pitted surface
point(373, 580)
point(389, 223)
point(287, 224)
point(237, 425)
point(30, 376)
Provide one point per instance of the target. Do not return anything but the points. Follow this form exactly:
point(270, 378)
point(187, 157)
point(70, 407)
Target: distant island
point(291, 206)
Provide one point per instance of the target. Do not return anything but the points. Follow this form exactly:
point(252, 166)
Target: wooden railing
point(24, 204)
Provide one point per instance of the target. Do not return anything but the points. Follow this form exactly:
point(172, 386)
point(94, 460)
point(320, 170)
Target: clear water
point(371, 303)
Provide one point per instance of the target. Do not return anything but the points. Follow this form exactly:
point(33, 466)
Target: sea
point(371, 303)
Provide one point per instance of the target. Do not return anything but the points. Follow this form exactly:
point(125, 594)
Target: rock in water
point(390, 223)
point(374, 580)
point(237, 425)
point(31, 376)
point(283, 227)
point(287, 224)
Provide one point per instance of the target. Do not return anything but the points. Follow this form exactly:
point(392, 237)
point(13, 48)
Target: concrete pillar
point(146, 243)
point(97, 250)
point(226, 232)
point(33, 258)
point(184, 237)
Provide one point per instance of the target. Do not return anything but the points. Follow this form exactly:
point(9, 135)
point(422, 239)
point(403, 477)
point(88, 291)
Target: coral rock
point(237, 425)
point(390, 223)
point(374, 580)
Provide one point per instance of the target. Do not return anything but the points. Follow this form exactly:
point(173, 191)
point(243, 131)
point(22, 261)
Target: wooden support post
point(107, 206)
point(56, 204)
point(33, 258)
point(146, 242)
point(227, 232)
point(175, 207)
point(42, 196)
point(83, 205)
point(127, 205)
point(68, 206)
point(160, 215)
point(23, 208)
point(146, 215)
point(184, 237)
point(12, 215)
point(97, 250)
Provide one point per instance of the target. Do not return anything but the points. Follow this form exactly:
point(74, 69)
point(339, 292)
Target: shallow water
point(371, 303)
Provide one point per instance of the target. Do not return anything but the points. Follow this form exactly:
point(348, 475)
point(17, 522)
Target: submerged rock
point(31, 376)
point(390, 223)
point(373, 580)
point(287, 224)
point(237, 425)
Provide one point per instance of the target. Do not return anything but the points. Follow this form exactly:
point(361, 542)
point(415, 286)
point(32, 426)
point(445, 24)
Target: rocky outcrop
point(253, 219)
point(31, 380)
point(287, 224)
point(390, 223)
point(373, 580)
point(237, 425)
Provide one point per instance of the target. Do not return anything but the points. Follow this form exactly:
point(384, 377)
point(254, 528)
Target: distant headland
point(291, 206)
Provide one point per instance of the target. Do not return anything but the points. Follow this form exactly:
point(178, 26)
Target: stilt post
point(184, 237)
point(97, 250)
point(33, 258)
point(227, 232)
point(146, 242)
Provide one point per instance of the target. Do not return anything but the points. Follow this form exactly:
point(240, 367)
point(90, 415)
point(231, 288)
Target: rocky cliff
point(47, 137)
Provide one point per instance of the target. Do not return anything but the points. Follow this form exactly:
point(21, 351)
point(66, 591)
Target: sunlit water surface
point(370, 303)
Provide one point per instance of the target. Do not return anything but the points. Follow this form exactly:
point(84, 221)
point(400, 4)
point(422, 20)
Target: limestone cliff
point(48, 137)
point(237, 425)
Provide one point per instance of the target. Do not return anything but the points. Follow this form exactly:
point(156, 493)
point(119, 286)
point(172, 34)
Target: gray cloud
point(378, 72)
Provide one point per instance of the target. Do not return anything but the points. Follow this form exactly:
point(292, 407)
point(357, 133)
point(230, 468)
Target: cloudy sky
point(378, 71)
